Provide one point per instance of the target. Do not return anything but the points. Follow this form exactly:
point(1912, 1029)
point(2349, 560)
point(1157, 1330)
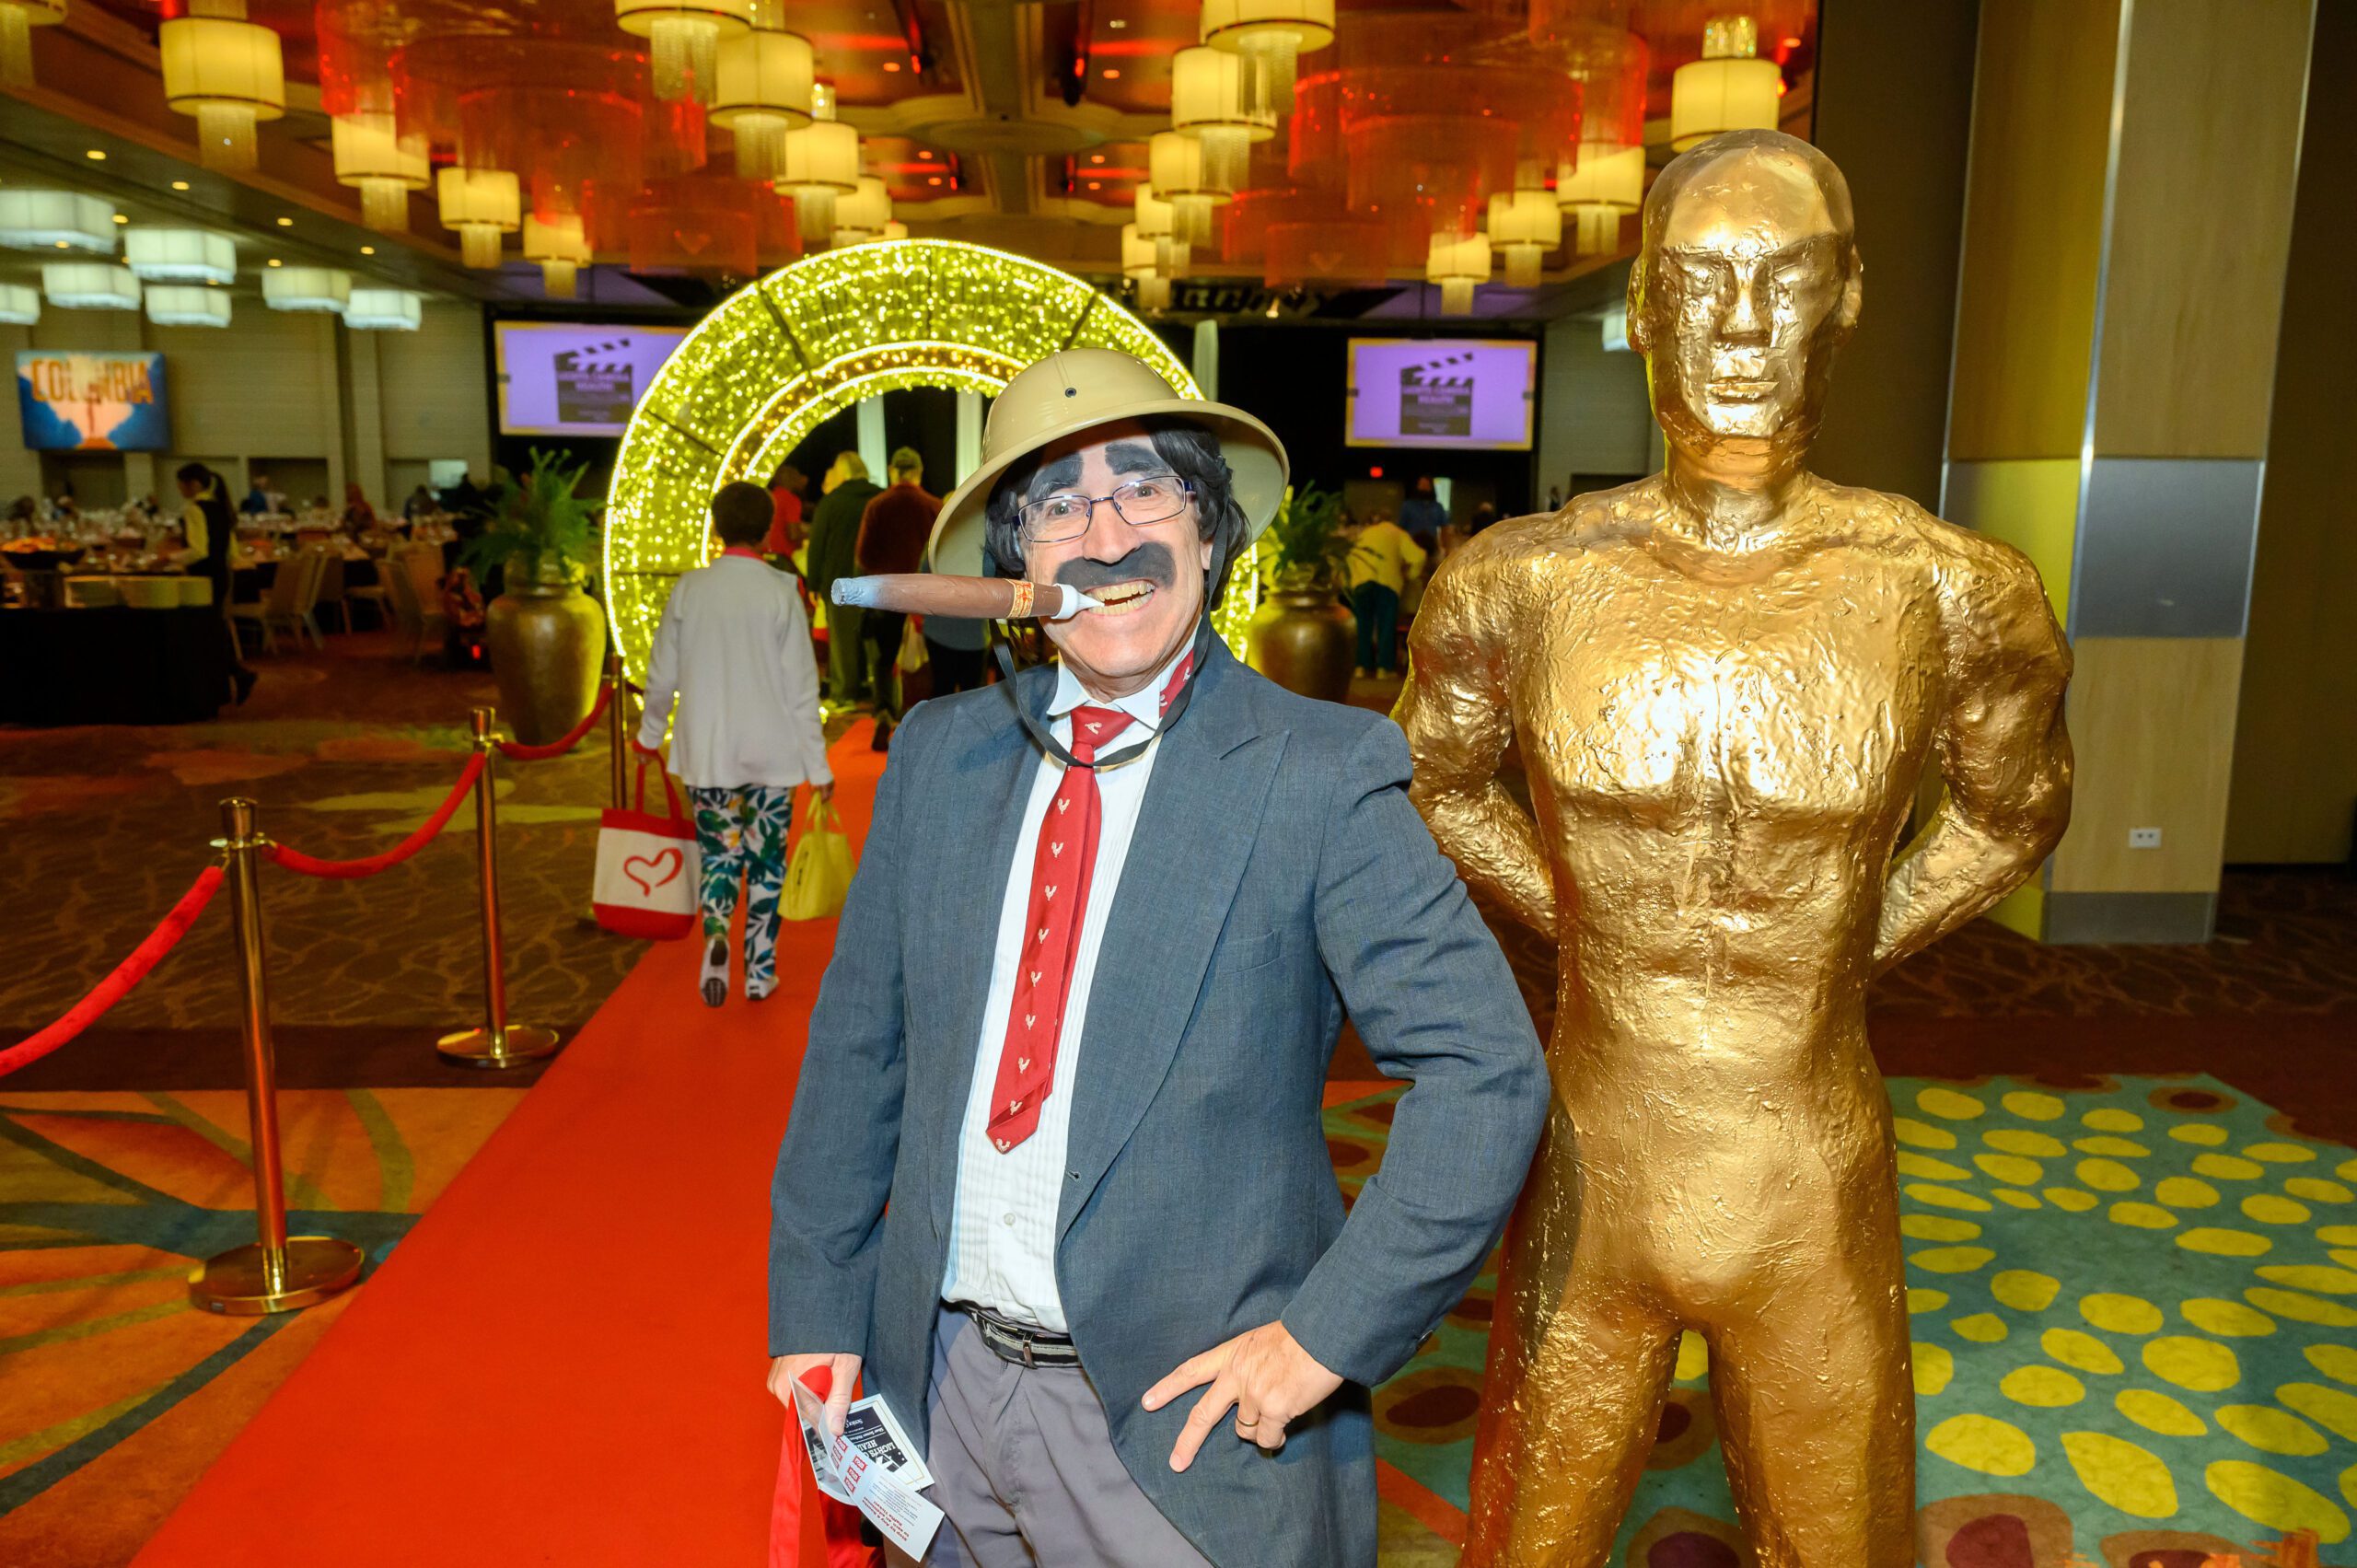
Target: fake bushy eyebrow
point(1061, 474)
point(1134, 457)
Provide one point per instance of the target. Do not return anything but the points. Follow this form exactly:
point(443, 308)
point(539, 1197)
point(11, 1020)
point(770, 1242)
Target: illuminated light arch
point(785, 353)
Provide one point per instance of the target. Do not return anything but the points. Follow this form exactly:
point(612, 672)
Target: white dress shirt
point(734, 648)
point(1002, 1230)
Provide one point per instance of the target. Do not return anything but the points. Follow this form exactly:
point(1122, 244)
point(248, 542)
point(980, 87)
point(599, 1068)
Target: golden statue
point(1725, 681)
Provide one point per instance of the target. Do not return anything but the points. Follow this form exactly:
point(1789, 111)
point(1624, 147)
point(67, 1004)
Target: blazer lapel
point(1205, 802)
point(991, 765)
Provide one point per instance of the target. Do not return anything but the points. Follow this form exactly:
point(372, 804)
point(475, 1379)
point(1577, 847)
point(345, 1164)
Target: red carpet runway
point(562, 1362)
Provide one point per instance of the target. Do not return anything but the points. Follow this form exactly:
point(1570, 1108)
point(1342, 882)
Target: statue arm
point(2003, 751)
point(1454, 710)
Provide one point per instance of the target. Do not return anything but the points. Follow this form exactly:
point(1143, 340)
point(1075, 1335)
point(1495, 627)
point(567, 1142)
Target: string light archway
point(783, 353)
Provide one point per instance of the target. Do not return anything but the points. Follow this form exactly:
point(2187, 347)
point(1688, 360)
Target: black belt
point(1015, 1343)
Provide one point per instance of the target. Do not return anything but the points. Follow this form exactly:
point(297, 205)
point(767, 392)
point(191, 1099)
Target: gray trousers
point(1023, 1466)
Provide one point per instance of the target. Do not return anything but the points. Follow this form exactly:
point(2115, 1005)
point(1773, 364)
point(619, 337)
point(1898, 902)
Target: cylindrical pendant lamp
point(1525, 225)
point(821, 169)
point(1728, 89)
point(1458, 266)
point(1179, 168)
point(187, 305)
point(315, 289)
point(228, 73)
point(861, 217)
point(484, 205)
point(18, 19)
point(763, 91)
point(683, 39)
point(371, 153)
point(561, 246)
point(1159, 220)
point(1272, 34)
point(1218, 98)
point(90, 285)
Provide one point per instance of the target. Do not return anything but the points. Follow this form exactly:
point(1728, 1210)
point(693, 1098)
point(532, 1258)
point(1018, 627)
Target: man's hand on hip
point(1264, 1374)
point(842, 1369)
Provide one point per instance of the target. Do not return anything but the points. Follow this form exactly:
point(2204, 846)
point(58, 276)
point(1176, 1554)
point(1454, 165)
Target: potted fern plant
point(1303, 638)
point(547, 636)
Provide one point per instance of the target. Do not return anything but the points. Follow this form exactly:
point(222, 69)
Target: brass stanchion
point(497, 1043)
point(278, 1273)
point(618, 727)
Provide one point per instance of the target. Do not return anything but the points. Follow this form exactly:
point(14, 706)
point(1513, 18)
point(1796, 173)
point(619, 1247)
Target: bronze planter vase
point(1304, 640)
point(547, 650)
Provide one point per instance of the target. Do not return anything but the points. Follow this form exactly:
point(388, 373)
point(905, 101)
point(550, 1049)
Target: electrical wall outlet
point(2143, 838)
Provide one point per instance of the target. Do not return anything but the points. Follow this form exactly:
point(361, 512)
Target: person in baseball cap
point(1056, 1181)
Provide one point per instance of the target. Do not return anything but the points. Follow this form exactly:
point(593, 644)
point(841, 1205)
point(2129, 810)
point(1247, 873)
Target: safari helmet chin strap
point(1199, 658)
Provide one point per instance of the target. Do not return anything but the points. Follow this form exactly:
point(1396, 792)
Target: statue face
point(1748, 289)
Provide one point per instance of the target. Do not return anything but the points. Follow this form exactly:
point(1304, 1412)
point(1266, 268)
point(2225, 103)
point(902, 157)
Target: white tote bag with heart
point(647, 869)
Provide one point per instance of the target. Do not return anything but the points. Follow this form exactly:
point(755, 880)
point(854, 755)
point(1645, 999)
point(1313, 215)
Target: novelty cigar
point(972, 598)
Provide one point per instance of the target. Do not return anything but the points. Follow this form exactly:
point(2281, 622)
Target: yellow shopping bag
point(818, 878)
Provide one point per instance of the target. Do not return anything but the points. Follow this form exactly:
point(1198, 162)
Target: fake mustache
point(1151, 562)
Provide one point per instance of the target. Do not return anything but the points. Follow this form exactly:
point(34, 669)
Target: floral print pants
point(741, 833)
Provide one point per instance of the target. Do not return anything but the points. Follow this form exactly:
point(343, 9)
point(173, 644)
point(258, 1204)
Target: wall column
point(2128, 216)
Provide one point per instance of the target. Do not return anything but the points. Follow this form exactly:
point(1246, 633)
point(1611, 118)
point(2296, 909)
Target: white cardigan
point(734, 648)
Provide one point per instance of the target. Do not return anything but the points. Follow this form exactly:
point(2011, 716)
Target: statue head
point(1747, 281)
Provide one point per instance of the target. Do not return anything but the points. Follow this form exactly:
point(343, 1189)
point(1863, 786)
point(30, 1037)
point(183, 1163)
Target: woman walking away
point(735, 649)
point(210, 528)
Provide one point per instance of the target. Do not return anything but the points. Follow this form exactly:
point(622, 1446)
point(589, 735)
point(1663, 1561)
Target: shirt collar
point(1144, 705)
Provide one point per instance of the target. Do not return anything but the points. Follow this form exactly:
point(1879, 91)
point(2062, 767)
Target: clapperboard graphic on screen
point(1436, 397)
point(595, 383)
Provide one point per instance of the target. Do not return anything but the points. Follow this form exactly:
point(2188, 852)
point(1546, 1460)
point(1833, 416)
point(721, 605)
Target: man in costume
point(1725, 681)
point(1075, 1036)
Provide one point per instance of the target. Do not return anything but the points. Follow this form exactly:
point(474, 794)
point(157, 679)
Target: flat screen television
point(72, 401)
point(1463, 393)
point(575, 378)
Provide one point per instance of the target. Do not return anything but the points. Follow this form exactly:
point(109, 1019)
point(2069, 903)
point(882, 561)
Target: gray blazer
point(1279, 876)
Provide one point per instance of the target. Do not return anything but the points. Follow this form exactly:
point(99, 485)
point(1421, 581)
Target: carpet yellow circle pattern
point(2228, 1319)
point(2118, 1472)
point(1950, 1106)
point(2202, 1365)
point(2156, 1412)
point(2049, 1387)
point(2275, 1500)
point(2025, 1290)
point(2184, 1193)
point(2085, 1352)
point(2032, 1105)
point(2120, 1314)
point(1983, 1444)
point(2271, 1431)
point(2020, 1141)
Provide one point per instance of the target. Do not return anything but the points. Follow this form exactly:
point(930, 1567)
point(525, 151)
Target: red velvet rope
point(521, 753)
point(128, 973)
point(295, 860)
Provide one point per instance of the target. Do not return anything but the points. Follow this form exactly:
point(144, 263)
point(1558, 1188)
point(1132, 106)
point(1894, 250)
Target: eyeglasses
point(1153, 498)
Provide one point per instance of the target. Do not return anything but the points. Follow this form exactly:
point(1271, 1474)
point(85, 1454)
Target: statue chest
point(1810, 694)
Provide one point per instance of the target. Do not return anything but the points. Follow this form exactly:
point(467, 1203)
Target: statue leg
point(1568, 1421)
point(1815, 1402)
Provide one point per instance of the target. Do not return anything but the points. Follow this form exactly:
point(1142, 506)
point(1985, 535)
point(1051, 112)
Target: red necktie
point(1060, 869)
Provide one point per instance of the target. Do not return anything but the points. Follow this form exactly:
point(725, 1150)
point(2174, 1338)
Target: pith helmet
point(1077, 390)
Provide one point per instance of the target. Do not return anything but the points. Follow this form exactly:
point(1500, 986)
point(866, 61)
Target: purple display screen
point(1441, 392)
point(563, 379)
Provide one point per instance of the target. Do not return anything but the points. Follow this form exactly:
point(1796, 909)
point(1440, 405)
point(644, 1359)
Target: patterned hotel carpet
point(2135, 1316)
point(119, 1391)
point(2135, 1320)
point(346, 750)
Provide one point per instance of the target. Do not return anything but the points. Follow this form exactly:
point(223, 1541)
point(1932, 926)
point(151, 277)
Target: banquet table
point(112, 666)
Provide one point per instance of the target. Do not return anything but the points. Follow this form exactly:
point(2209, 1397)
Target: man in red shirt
point(785, 514)
point(892, 535)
